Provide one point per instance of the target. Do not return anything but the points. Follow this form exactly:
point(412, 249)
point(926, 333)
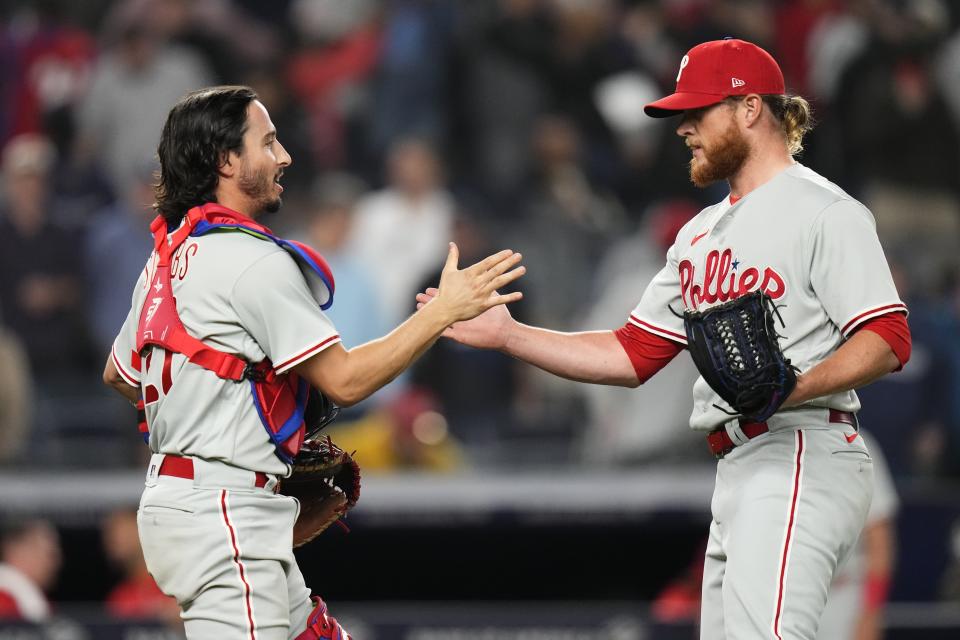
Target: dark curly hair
point(200, 130)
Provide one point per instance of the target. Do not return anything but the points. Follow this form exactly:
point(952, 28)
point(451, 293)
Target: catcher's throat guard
point(288, 406)
point(735, 348)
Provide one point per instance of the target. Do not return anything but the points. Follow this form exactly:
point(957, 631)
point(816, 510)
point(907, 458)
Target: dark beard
point(259, 188)
point(721, 160)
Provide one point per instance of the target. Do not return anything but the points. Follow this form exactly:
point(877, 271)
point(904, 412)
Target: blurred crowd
point(496, 123)
point(31, 559)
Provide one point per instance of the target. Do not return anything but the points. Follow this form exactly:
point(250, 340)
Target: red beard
point(721, 160)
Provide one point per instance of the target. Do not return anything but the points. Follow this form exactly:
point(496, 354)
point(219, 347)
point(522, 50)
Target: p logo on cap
point(683, 63)
point(716, 70)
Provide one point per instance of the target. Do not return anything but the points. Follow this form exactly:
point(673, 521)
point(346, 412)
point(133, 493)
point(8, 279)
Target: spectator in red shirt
point(30, 559)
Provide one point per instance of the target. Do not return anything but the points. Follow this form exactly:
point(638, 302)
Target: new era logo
point(737, 82)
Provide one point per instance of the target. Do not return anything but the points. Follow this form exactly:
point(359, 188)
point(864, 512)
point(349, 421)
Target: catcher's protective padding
point(734, 346)
point(319, 412)
point(326, 482)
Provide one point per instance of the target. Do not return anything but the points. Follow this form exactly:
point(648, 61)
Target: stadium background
point(498, 502)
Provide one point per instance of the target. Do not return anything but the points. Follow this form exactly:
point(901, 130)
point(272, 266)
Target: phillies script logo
point(723, 280)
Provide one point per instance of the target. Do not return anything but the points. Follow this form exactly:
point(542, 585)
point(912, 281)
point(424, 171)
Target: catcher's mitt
point(735, 348)
point(326, 481)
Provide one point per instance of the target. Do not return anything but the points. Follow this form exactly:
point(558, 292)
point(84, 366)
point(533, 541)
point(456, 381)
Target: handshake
point(476, 315)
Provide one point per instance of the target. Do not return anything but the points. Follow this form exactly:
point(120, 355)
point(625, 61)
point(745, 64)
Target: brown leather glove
point(326, 482)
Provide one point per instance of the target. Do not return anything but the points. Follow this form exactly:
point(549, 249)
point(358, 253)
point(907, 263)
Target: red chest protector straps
point(280, 400)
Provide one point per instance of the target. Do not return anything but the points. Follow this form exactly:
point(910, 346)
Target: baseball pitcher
point(782, 295)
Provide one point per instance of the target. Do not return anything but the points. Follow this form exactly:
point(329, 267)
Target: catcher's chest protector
point(280, 400)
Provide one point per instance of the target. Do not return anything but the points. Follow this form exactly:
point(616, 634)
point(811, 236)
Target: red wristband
point(876, 588)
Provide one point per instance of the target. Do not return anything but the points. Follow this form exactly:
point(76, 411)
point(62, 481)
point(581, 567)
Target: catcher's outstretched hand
point(468, 292)
point(489, 330)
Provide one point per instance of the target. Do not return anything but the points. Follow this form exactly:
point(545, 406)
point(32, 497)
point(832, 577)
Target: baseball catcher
point(226, 388)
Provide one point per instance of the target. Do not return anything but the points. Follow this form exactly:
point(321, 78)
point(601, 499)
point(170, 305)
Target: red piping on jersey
point(871, 313)
point(126, 375)
point(305, 353)
point(790, 528)
point(247, 591)
point(678, 337)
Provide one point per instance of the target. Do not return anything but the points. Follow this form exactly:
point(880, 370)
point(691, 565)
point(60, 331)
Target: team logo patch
point(723, 279)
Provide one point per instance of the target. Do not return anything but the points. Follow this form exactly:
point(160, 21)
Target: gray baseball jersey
point(802, 240)
point(241, 295)
point(780, 525)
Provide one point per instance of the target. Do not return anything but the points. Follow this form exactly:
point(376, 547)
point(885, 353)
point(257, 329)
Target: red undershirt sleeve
point(648, 352)
point(893, 328)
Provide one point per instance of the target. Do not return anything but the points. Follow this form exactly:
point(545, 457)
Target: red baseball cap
point(716, 70)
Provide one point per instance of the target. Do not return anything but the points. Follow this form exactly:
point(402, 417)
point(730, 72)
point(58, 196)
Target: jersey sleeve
point(124, 351)
point(895, 331)
point(655, 311)
point(276, 307)
point(848, 270)
point(648, 353)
